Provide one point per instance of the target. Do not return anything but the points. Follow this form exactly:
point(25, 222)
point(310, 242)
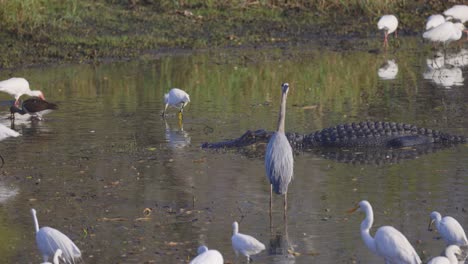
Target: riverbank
point(50, 31)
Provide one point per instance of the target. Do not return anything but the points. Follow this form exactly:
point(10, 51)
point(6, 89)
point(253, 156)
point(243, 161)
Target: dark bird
point(34, 106)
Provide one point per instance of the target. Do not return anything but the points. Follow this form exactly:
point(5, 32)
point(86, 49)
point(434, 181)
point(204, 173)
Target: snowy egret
point(49, 240)
point(451, 253)
point(389, 24)
point(176, 98)
point(58, 253)
point(33, 106)
point(449, 229)
point(445, 32)
point(245, 244)
point(388, 242)
point(206, 256)
point(279, 162)
point(18, 87)
point(434, 21)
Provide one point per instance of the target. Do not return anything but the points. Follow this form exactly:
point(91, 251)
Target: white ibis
point(434, 21)
point(389, 24)
point(17, 87)
point(445, 32)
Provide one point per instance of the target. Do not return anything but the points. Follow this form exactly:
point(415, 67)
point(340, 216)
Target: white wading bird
point(388, 242)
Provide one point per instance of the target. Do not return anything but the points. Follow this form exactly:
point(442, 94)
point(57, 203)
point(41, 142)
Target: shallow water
point(93, 166)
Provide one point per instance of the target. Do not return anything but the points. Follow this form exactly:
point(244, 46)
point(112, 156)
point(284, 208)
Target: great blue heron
point(176, 98)
point(49, 240)
point(245, 244)
point(451, 253)
point(18, 87)
point(279, 161)
point(388, 242)
point(206, 256)
point(389, 24)
point(449, 229)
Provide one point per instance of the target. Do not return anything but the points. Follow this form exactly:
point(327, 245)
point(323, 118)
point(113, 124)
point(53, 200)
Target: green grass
point(38, 31)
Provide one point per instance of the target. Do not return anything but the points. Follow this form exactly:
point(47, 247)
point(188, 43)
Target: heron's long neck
point(365, 230)
point(235, 230)
point(282, 115)
point(36, 223)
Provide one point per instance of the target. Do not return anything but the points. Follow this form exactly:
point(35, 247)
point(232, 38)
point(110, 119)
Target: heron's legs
point(385, 43)
point(285, 204)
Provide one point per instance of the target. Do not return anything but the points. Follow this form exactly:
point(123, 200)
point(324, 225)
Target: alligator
point(354, 135)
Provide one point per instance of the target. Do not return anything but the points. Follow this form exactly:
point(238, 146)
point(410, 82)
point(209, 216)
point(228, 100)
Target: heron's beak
point(429, 227)
point(352, 210)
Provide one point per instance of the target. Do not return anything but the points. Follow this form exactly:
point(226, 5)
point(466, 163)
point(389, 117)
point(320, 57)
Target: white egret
point(388, 242)
point(445, 33)
point(18, 87)
point(449, 229)
point(176, 98)
point(58, 253)
point(206, 256)
point(245, 244)
point(34, 107)
point(49, 240)
point(389, 24)
point(279, 161)
point(434, 21)
point(451, 253)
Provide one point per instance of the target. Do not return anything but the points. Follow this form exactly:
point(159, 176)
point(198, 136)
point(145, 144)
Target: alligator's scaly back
point(363, 134)
point(369, 134)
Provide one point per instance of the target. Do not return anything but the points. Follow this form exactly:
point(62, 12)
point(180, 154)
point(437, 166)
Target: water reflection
point(388, 70)
point(445, 70)
point(177, 138)
point(6, 132)
point(7, 192)
point(109, 155)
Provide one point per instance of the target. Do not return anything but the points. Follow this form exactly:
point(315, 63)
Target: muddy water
point(92, 167)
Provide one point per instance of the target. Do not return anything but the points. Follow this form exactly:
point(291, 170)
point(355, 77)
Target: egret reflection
point(7, 193)
point(388, 70)
point(177, 138)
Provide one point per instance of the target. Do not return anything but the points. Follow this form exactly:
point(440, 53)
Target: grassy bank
point(44, 31)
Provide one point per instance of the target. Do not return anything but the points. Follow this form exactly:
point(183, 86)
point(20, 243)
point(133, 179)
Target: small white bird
point(388, 242)
point(459, 12)
point(449, 229)
point(18, 87)
point(451, 253)
point(245, 244)
point(176, 98)
point(389, 24)
point(57, 254)
point(434, 21)
point(49, 240)
point(206, 256)
point(445, 33)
